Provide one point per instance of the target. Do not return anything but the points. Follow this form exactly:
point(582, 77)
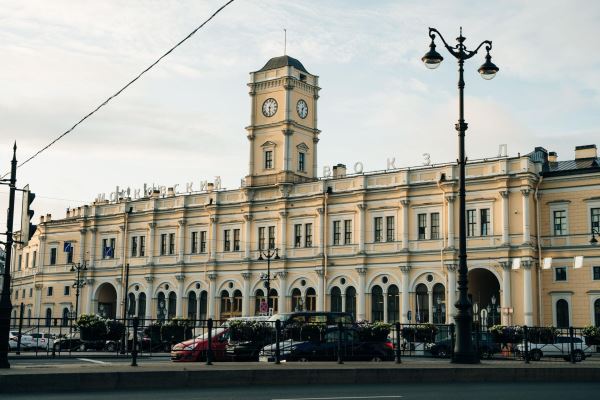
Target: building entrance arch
point(484, 292)
point(106, 298)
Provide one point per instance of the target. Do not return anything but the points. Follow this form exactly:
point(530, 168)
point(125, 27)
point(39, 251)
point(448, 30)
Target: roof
point(572, 167)
point(283, 61)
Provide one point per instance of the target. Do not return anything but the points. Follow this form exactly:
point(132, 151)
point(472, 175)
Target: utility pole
point(5, 303)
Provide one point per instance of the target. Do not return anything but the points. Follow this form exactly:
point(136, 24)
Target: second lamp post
point(79, 283)
point(464, 351)
point(268, 255)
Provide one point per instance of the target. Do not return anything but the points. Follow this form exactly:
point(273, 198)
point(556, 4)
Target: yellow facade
point(382, 245)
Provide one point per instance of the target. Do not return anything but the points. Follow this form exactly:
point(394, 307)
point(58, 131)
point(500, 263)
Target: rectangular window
point(134, 246)
point(422, 221)
point(226, 240)
point(336, 233)
point(261, 238)
point(471, 223)
point(390, 229)
point(19, 261)
point(67, 290)
point(236, 240)
point(30, 292)
point(347, 231)
point(271, 237)
point(202, 241)
point(26, 261)
point(435, 225)
point(268, 159)
point(301, 161)
point(16, 294)
point(53, 256)
point(308, 235)
point(49, 291)
point(194, 242)
point(34, 259)
point(142, 246)
point(163, 244)
point(171, 243)
point(596, 273)
point(70, 256)
point(595, 216)
point(484, 222)
point(378, 228)
point(297, 235)
point(560, 274)
point(560, 222)
point(112, 248)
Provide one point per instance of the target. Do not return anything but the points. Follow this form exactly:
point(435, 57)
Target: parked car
point(313, 317)
point(196, 349)
point(43, 341)
point(561, 347)
point(487, 346)
point(13, 341)
point(73, 342)
point(247, 339)
point(352, 348)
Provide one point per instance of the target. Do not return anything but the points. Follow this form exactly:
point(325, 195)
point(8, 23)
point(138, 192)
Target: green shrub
point(507, 334)
point(91, 327)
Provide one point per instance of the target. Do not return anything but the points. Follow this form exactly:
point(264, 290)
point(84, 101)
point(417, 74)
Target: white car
point(560, 348)
point(13, 338)
point(43, 341)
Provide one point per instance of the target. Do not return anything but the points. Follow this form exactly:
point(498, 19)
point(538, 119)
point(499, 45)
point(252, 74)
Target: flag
point(109, 252)
point(68, 247)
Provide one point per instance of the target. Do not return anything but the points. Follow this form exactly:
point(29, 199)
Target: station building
point(381, 245)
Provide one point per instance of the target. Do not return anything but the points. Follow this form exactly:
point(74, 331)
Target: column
point(122, 239)
point(181, 244)
point(450, 200)
point(38, 301)
point(385, 306)
point(526, 233)
point(82, 232)
point(150, 244)
point(149, 296)
point(246, 294)
point(314, 160)
point(213, 237)
point(321, 230)
point(286, 146)
point(212, 277)
point(362, 287)
point(320, 286)
point(89, 306)
point(361, 231)
point(405, 225)
point(505, 301)
point(251, 155)
point(343, 301)
point(119, 305)
point(404, 306)
point(283, 233)
point(527, 293)
point(282, 277)
point(248, 235)
point(505, 218)
point(180, 282)
point(430, 304)
point(41, 259)
point(450, 308)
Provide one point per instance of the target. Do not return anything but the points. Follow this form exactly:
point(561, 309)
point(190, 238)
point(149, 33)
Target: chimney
point(48, 217)
point(171, 192)
point(155, 194)
point(588, 151)
point(552, 157)
point(210, 187)
point(41, 219)
point(339, 171)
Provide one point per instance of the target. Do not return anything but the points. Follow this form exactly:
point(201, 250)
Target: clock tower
point(283, 130)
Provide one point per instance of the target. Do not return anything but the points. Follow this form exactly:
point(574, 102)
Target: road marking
point(343, 398)
point(93, 361)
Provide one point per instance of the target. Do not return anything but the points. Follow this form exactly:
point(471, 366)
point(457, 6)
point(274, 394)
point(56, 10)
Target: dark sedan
point(486, 345)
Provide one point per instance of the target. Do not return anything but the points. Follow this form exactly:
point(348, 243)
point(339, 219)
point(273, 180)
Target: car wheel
point(376, 359)
point(111, 347)
point(536, 355)
point(81, 347)
point(578, 356)
point(303, 359)
point(486, 353)
point(442, 352)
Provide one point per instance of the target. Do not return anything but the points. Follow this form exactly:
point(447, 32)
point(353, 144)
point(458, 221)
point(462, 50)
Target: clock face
point(269, 107)
point(302, 109)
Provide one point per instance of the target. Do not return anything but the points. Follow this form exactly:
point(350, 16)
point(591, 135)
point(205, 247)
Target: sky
point(184, 120)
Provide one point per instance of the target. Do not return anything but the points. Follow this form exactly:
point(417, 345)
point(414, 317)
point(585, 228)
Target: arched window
point(562, 314)
point(393, 301)
point(439, 304)
point(351, 300)
point(336, 299)
point(48, 316)
point(259, 297)
point(422, 304)
point(597, 312)
point(65, 317)
point(236, 308)
point(192, 305)
point(311, 299)
point(161, 307)
point(225, 305)
point(376, 303)
point(142, 306)
point(172, 305)
point(131, 305)
point(273, 301)
point(203, 305)
point(297, 303)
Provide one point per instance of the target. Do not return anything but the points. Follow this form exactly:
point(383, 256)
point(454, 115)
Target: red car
point(195, 349)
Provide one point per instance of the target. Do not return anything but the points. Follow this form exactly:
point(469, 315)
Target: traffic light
point(27, 228)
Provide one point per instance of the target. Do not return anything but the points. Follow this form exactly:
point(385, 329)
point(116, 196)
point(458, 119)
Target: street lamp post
point(464, 352)
point(79, 283)
point(593, 240)
point(268, 255)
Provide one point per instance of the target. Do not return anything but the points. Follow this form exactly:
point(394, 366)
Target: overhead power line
point(124, 87)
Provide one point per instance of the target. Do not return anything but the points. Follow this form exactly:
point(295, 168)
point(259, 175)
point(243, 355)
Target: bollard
point(398, 351)
point(572, 345)
point(134, 344)
point(339, 343)
point(277, 338)
point(526, 347)
point(20, 329)
point(209, 325)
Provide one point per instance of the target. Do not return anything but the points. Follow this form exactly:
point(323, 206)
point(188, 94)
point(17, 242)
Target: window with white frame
point(390, 228)
point(377, 229)
point(422, 226)
point(236, 240)
point(268, 159)
point(595, 218)
point(297, 235)
point(471, 223)
point(347, 231)
point(435, 225)
point(484, 222)
point(559, 218)
point(308, 235)
point(336, 232)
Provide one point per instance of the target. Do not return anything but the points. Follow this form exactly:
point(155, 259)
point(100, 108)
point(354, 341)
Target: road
point(491, 391)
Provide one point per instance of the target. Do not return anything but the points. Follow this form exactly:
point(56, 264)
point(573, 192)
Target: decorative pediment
point(269, 143)
point(302, 147)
